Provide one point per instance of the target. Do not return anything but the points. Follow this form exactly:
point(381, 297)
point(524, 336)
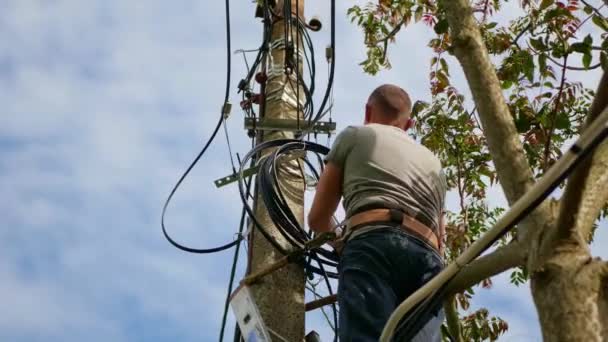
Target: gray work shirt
point(382, 165)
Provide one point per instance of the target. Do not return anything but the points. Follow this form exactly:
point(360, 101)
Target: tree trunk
point(568, 286)
point(570, 294)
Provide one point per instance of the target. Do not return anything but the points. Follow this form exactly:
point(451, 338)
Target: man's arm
point(327, 198)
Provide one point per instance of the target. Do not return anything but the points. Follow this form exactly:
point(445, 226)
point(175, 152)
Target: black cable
point(234, 264)
point(330, 81)
point(297, 55)
point(238, 337)
point(201, 153)
point(228, 50)
point(264, 47)
point(331, 292)
point(275, 203)
point(310, 63)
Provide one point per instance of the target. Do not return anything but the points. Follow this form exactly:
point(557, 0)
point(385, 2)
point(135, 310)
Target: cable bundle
point(272, 194)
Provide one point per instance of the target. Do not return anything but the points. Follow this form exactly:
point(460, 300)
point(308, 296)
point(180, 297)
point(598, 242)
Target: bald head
point(390, 102)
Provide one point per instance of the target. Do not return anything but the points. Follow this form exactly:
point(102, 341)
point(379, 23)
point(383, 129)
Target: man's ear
point(368, 114)
point(409, 124)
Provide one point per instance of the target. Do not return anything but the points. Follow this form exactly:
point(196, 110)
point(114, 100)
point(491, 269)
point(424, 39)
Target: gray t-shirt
point(382, 165)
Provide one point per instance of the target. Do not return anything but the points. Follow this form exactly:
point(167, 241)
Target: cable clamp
point(226, 108)
point(244, 235)
point(329, 53)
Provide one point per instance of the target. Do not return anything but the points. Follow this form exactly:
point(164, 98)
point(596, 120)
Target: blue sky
point(104, 104)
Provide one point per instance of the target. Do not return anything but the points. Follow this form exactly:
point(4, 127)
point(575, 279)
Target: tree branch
point(597, 11)
point(572, 67)
point(452, 319)
point(389, 36)
point(513, 170)
point(558, 101)
point(395, 30)
point(520, 34)
point(502, 259)
point(587, 189)
point(596, 192)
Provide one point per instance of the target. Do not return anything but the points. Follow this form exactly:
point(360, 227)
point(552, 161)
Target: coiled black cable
point(276, 203)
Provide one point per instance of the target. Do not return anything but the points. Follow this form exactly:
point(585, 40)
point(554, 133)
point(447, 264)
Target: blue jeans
point(378, 270)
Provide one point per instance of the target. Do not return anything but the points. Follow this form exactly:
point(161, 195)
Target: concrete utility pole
point(280, 295)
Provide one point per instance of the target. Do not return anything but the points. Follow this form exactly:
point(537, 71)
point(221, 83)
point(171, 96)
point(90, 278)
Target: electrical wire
point(330, 80)
point(201, 153)
point(229, 145)
point(326, 277)
point(234, 264)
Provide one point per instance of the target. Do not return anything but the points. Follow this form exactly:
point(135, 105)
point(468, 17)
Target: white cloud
point(103, 106)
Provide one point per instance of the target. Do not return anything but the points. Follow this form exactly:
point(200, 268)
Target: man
point(394, 191)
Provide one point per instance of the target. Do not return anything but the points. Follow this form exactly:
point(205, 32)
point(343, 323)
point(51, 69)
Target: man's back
point(386, 256)
point(382, 165)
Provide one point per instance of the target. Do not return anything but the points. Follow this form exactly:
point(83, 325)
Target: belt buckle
point(396, 215)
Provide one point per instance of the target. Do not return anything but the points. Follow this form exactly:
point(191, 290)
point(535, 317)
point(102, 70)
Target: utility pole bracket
point(253, 170)
point(325, 127)
point(235, 177)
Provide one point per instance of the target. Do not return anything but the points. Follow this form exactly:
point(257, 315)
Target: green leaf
point(491, 25)
point(600, 22)
point(442, 78)
point(522, 123)
point(588, 9)
point(441, 26)
point(546, 3)
point(528, 65)
point(562, 121)
point(538, 44)
point(506, 84)
point(418, 107)
point(542, 62)
point(444, 65)
point(588, 40)
point(557, 12)
point(580, 47)
point(604, 60)
point(547, 95)
point(587, 60)
point(418, 14)
point(559, 50)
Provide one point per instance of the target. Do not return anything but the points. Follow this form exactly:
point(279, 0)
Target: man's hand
point(337, 245)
